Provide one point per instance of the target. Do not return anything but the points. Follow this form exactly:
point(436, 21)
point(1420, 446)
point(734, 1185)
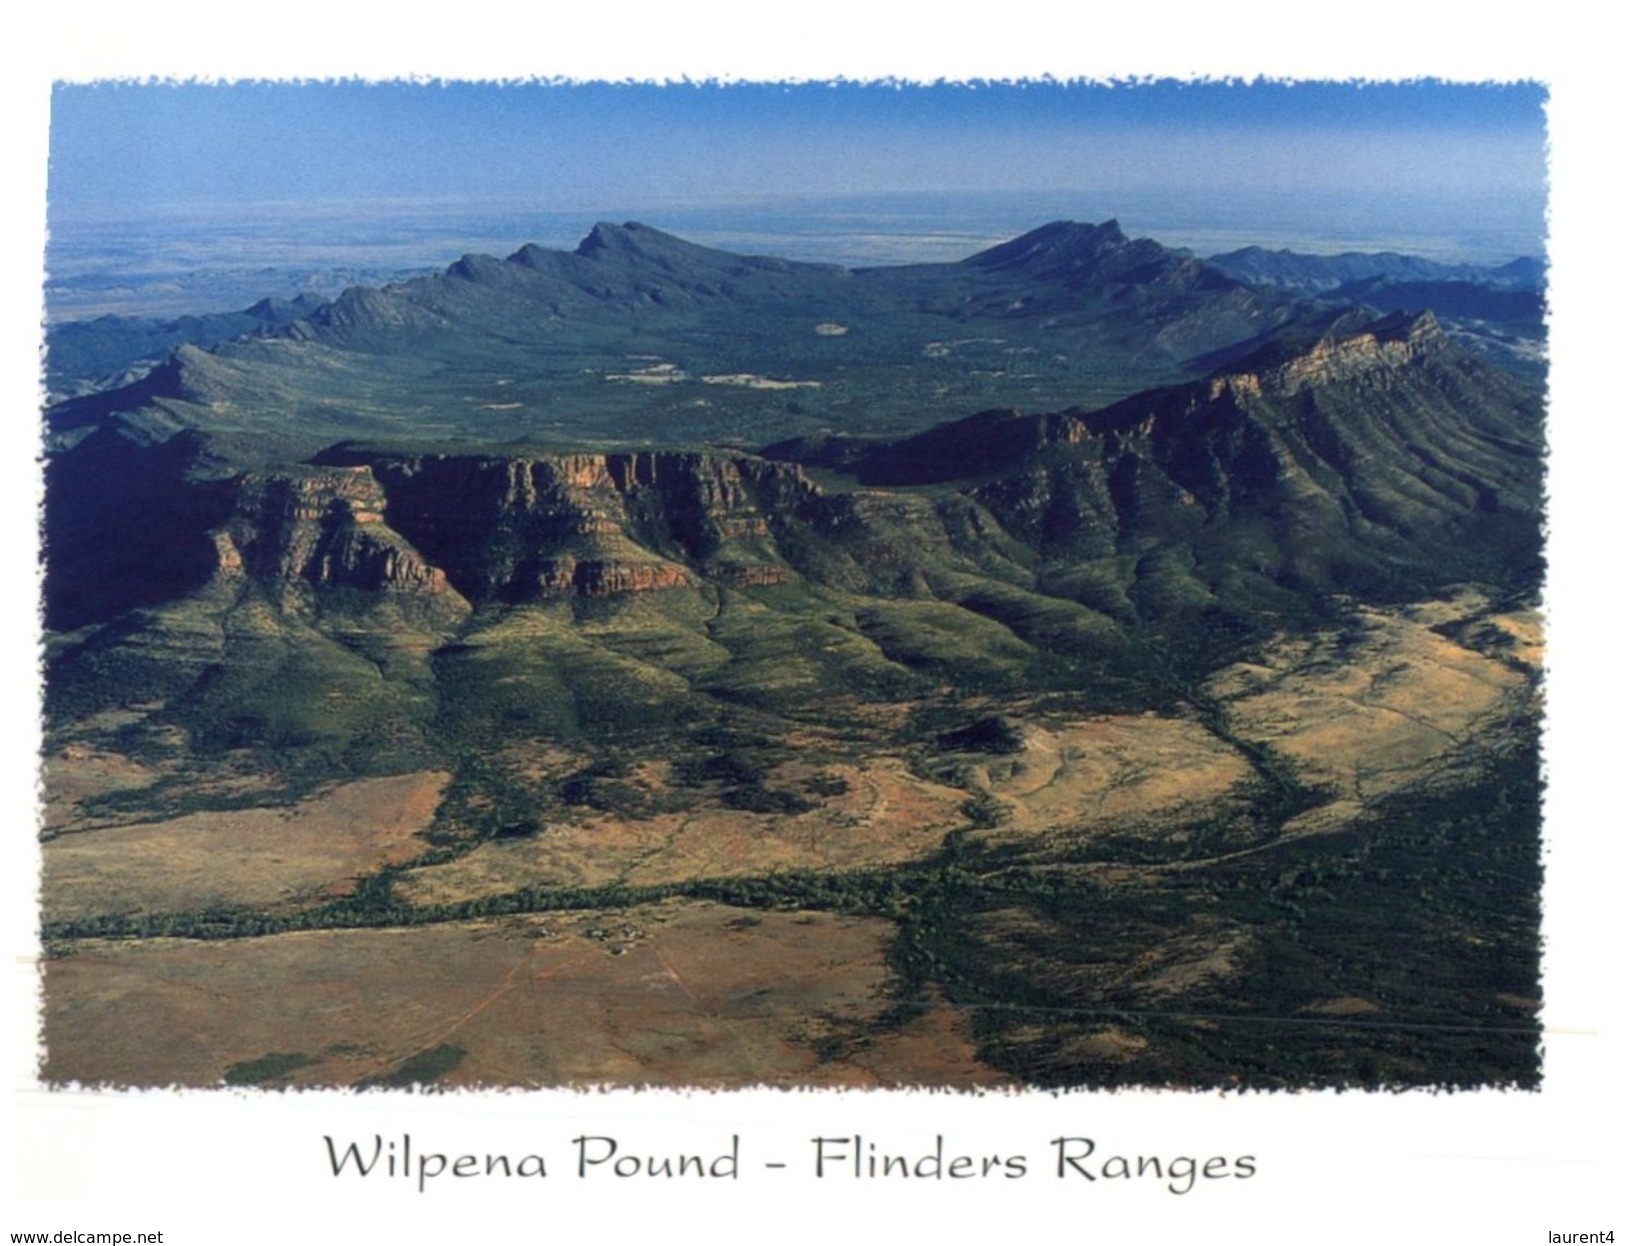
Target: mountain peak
point(633, 236)
point(603, 236)
point(475, 267)
point(1059, 244)
point(637, 247)
point(1080, 255)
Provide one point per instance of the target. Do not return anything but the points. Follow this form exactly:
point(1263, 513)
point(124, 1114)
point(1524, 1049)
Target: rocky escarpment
point(1375, 451)
point(521, 527)
point(324, 528)
point(1383, 443)
point(438, 534)
point(1314, 465)
point(1371, 354)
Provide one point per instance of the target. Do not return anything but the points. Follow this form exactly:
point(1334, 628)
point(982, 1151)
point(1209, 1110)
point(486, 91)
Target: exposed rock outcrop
point(324, 527)
point(593, 524)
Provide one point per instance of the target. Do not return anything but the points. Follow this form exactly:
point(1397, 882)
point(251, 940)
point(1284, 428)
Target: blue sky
point(562, 145)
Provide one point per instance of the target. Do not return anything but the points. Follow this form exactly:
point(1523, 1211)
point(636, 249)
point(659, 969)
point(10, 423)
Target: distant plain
point(166, 260)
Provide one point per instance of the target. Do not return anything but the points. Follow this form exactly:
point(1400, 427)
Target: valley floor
point(1323, 870)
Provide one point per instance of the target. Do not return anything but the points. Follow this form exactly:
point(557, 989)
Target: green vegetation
point(269, 1069)
point(420, 1069)
point(1425, 911)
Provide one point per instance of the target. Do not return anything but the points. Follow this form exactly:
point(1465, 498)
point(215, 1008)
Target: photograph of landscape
point(1001, 585)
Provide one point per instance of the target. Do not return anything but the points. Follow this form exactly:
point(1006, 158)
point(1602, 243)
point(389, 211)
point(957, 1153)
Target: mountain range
point(637, 327)
point(1319, 274)
point(609, 534)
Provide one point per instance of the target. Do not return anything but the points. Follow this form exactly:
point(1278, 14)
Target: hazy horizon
point(161, 194)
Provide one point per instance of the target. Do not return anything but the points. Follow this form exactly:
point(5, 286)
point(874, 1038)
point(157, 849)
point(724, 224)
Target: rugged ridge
point(325, 528)
point(1311, 464)
point(1063, 303)
point(515, 527)
point(81, 354)
point(1366, 351)
point(1324, 273)
point(1373, 446)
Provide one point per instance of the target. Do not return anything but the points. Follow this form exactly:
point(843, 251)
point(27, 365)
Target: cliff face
point(1381, 442)
point(1308, 465)
point(440, 534)
point(325, 528)
point(1370, 355)
point(520, 528)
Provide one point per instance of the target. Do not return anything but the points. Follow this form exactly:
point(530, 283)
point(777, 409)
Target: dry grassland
point(1371, 712)
point(691, 993)
point(885, 816)
point(675, 994)
point(250, 857)
point(1099, 773)
point(76, 774)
